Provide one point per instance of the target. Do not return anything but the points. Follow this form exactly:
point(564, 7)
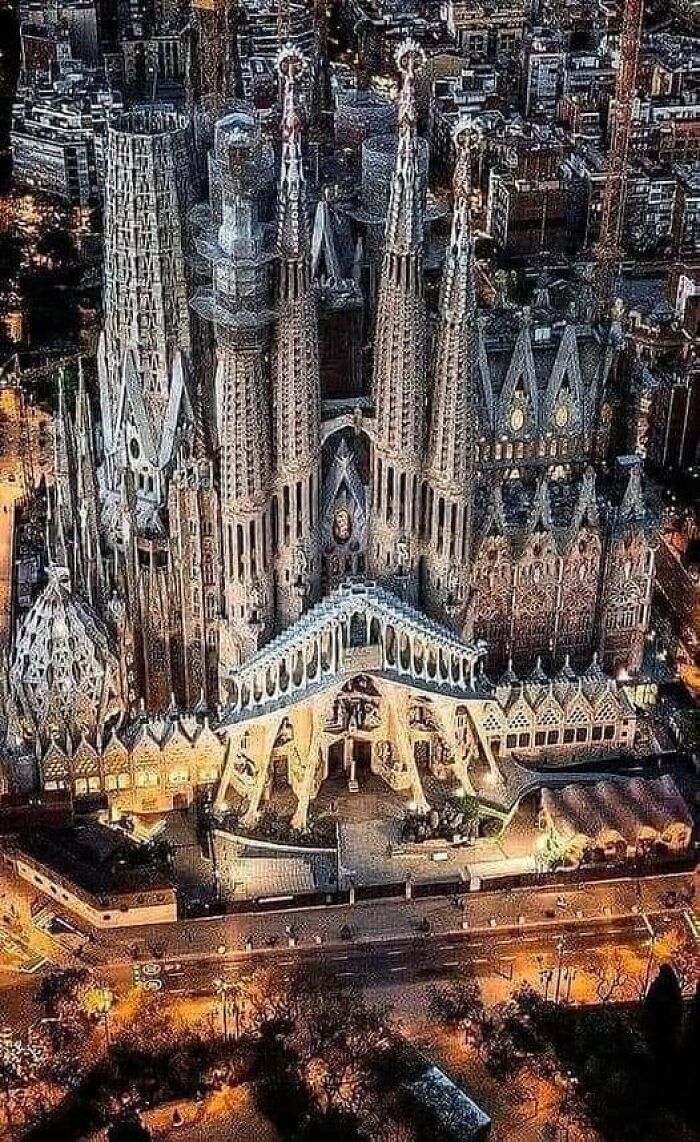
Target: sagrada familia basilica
point(325, 514)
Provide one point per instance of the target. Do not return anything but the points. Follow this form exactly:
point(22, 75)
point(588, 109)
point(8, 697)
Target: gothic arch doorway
point(362, 757)
point(336, 760)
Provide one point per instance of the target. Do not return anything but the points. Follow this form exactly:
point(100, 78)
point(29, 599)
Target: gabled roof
point(365, 598)
point(344, 471)
point(632, 509)
point(325, 261)
point(179, 403)
point(131, 402)
point(521, 372)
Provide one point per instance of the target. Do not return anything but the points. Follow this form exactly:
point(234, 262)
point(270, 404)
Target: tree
point(458, 1006)
point(685, 961)
point(337, 1038)
point(128, 1128)
point(690, 1053)
point(691, 1031)
point(609, 976)
point(271, 1002)
point(663, 1014)
point(65, 1023)
point(151, 1027)
point(19, 1067)
point(60, 989)
point(514, 1036)
point(504, 1059)
point(330, 1123)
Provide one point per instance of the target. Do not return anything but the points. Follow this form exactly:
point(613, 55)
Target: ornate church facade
point(229, 489)
point(364, 684)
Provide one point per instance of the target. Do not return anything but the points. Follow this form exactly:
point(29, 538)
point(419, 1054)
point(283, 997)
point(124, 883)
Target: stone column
point(349, 763)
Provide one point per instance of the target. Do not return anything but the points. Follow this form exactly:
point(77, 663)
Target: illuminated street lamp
point(650, 960)
point(99, 1000)
point(229, 994)
point(560, 964)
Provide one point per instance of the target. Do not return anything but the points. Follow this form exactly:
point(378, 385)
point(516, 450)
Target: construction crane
point(608, 251)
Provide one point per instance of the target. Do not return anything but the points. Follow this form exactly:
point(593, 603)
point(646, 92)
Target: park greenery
point(321, 1061)
point(628, 1071)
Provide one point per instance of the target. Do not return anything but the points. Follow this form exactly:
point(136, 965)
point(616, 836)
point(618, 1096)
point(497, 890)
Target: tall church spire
point(292, 216)
point(239, 305)
point(399, 381)
point(450, 455)
point(404, 224)
point(455, 349)
point(296, 389)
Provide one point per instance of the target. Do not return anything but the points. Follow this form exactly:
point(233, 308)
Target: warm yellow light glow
point(99, 1000)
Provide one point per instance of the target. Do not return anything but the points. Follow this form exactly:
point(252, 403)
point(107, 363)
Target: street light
point(546, 976)
point(650, 960)
point(229, 996)
point(560, 962)
point(221, 988)
point(569, 976)
point(99, 1000)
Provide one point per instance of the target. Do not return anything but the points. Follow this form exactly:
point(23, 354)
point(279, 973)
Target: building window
point(524, 741)
point(608, 733)
point(553, 737)
point(582, 734)
point(568, 736)
point(597, 733)
point(511, 741)
point(146, 778)
point(540, 738)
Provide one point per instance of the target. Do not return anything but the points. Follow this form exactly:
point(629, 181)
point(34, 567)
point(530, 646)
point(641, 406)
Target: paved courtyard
point(369, 828)
point(370, 851)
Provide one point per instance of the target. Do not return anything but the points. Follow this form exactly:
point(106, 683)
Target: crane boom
point(609, 248)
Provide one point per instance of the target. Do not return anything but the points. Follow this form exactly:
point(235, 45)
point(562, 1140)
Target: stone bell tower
point(399, 370)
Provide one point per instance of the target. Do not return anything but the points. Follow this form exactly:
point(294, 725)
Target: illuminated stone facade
point(224, 503)
point(363, 684)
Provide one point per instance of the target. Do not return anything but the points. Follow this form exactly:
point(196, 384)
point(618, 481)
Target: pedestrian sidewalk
point(383, 920)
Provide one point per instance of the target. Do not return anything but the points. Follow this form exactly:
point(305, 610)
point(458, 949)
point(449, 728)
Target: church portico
point(352, 689)
point(366, 694)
